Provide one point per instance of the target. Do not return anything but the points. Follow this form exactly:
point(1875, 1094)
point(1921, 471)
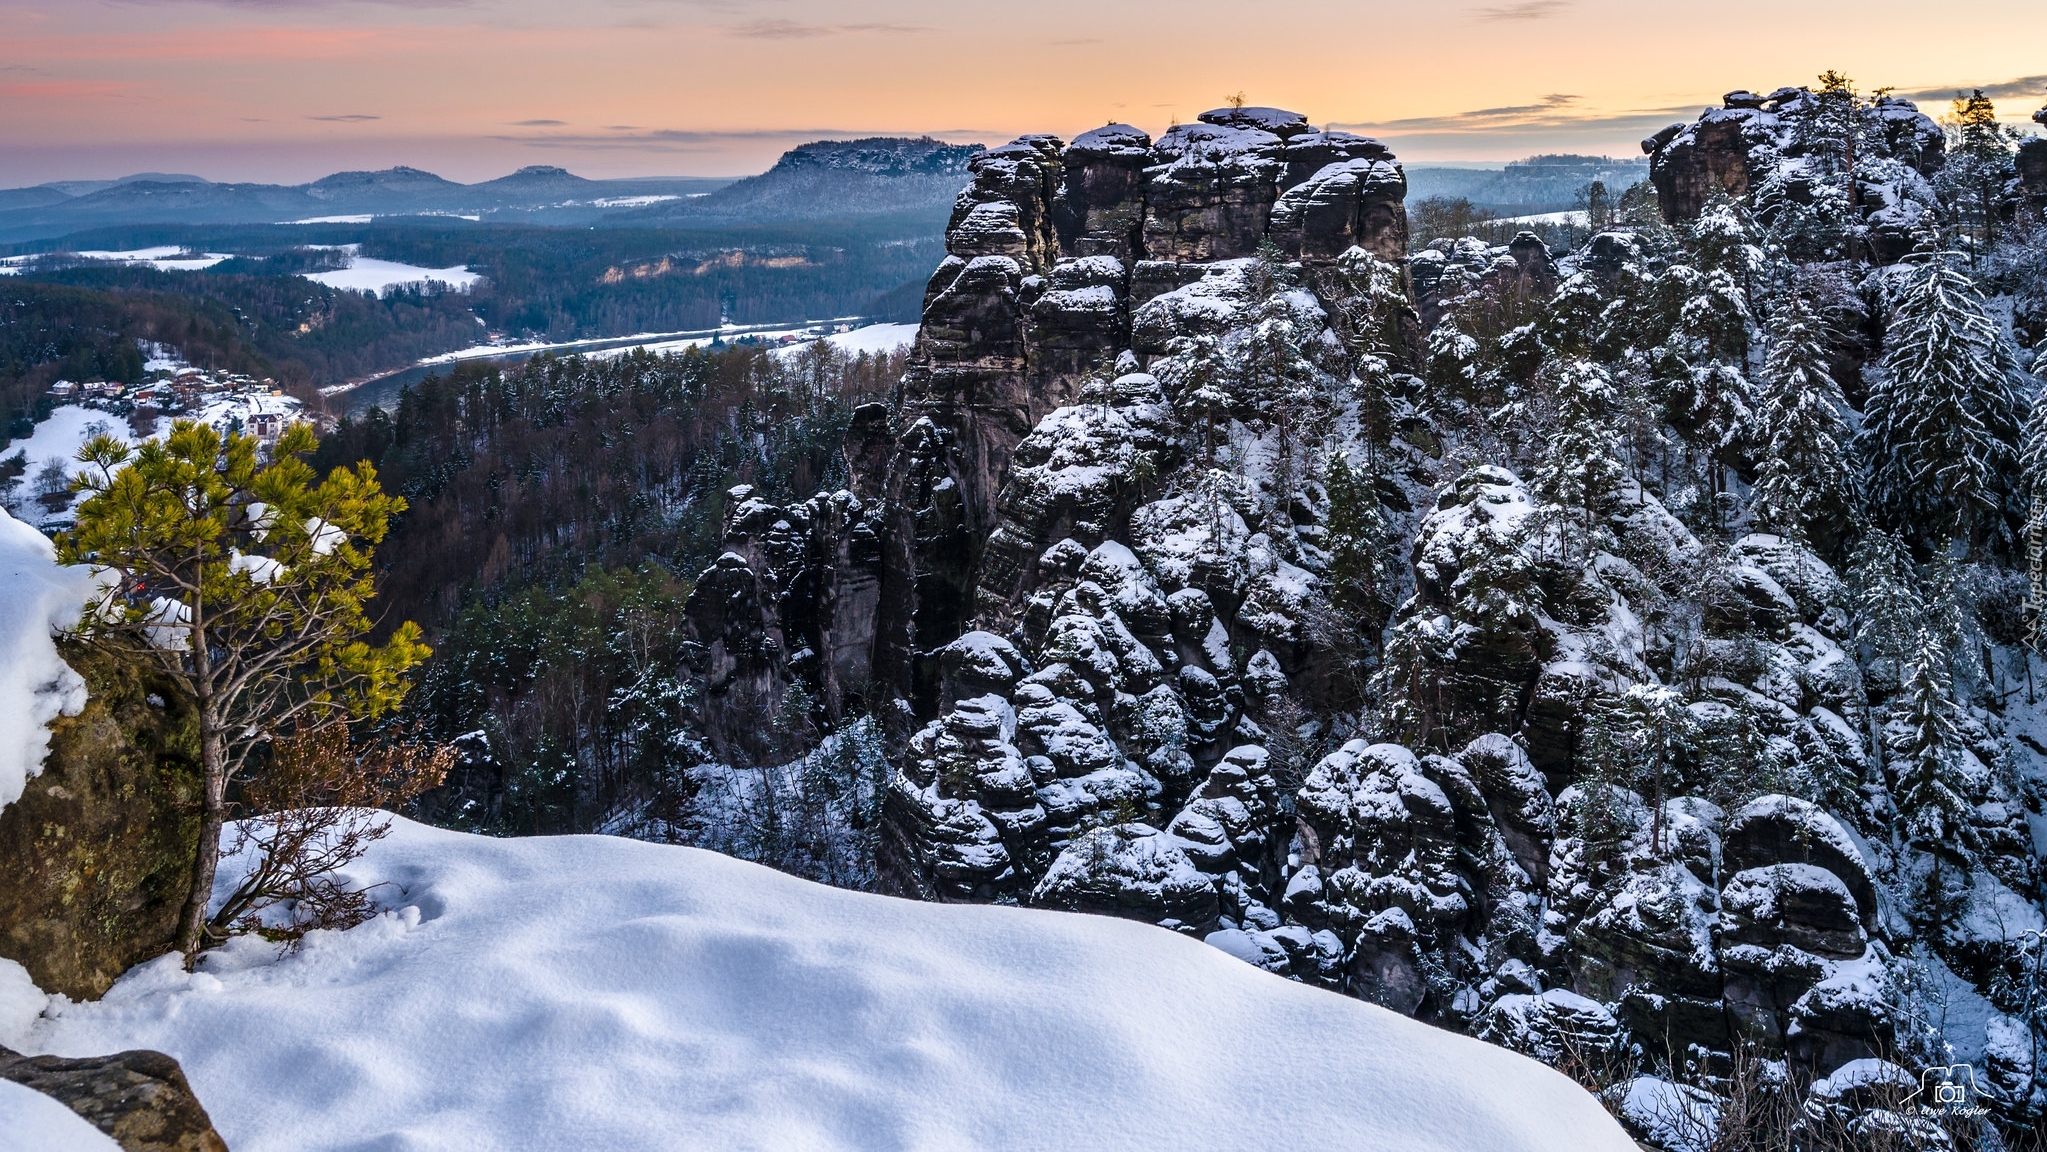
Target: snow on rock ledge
point(586, 992)
point(37, 597)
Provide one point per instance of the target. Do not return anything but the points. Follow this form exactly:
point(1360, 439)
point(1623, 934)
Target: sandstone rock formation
point(99, 848)
point(140, 1099)
point(1092, 586)
point(1735, 149)
point(2032, 167)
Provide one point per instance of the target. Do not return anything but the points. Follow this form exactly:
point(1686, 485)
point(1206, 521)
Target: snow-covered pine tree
point(1941, 426)
point(1581, 466)
point(1930, 791)
point(1887, 607)
point(1805, 485)
point(1280, 382)
point(1641, 736)
point(1979, 166)
point(1369, 310)
point(1705, 354)
point(1203, 399)
point(1357, 530)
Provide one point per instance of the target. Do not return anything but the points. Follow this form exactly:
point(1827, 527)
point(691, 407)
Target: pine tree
point(1931, 794)
point(1281, 381)
point(248, 583)
point(1705, 354)
point(1203, 382)
point(1888, 609)
point(1640, 737)
point(1357, 529)
point(1581, 467)
point(1804, 479)
point(1370, 307)
point(1941, 425)
point(1979, 166)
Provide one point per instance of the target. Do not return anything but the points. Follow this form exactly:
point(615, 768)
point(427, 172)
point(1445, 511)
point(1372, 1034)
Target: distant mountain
point(537, 182)
point(1537, 184)
point(543, 195)
point(390, 186)
point(827, 179)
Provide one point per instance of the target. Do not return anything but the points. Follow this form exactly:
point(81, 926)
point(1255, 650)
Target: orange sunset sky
point(288, 90)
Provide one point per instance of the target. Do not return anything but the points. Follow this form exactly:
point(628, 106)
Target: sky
point(290, 90)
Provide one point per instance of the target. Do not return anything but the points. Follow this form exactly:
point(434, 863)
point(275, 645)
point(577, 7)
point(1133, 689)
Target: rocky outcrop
point(1053, 250)
point(99, 847)
point(1735, 149)
point(1117, 627)
point(2032, 167)
point(140, 1099)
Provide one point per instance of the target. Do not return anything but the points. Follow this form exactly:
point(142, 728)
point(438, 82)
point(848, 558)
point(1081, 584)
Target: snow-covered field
point(586, 992)
point(872, 338)
point(378, 277)
point(1578, 219)
point(168, 258)
point(875, 338)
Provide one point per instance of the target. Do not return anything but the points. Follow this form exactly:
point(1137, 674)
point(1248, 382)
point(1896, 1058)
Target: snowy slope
point(590, 992)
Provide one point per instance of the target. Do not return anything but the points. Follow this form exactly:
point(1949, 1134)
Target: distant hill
point(1537, 184)
point(537, 195)
point(827, 179)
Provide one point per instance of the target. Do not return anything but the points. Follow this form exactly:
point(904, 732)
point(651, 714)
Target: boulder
point(140, 1099)
point(99, 847)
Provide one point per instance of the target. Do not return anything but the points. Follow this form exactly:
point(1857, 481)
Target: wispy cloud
point(2022, 88)
point(1554, 121)
point(1527, 10)
point(1548, 111)
point(777, 29)
point(539, 123)
point(695, 140)
point(346, 118)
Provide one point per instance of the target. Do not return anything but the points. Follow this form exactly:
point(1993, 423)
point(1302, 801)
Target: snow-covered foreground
point(589, 992)
point(33, 1122)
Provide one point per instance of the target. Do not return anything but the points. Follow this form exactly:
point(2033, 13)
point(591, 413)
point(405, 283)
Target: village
point(228, 401)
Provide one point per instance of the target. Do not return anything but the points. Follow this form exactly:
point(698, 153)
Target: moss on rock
point(99, 848)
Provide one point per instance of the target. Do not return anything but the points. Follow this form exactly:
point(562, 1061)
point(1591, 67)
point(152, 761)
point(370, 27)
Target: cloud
point(539, 123)
point(346, 118)
point(778, 29)
point(300, 4)
point(694, 140)
point(1558, 122)
point(2023, 88)
point(1525, 11)
point(1553, 109)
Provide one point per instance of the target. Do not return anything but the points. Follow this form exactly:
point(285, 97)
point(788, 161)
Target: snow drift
point(591, 992)
point(37, 597)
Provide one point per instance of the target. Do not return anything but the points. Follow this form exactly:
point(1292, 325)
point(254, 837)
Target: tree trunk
point(192, 923)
